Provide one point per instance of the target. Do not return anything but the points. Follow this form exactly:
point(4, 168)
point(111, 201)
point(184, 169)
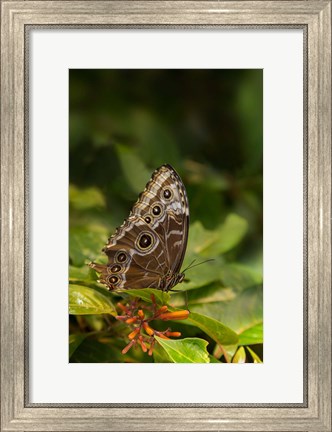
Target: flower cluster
point(142, 334)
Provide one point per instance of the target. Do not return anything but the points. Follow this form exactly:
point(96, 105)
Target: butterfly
point(148, 249)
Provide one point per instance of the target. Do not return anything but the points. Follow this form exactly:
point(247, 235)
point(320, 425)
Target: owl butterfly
point(147, 250)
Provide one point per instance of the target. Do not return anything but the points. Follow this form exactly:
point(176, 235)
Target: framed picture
point(203, 243)
point(223, 111)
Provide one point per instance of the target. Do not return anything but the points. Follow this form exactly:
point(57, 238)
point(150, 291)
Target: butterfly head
point(170, 280)
point(180, 277)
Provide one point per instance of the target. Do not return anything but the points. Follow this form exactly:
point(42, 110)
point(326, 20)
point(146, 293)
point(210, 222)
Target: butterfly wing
point(150, 245)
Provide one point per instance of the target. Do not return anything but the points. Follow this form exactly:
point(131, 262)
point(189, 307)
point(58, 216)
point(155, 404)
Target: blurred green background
point(208, 124)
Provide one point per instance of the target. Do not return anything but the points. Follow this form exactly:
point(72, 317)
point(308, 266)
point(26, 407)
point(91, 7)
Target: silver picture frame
point(17, 19)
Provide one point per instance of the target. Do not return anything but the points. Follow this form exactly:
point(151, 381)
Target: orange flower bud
point(177, 315)
point(140, 314)
point(127, 348)
point(173, 334)
point(134, 333)
point(141, 342)
point(131, 320)
point(161, 310)
point(151, 348)
point(121, 306)
point(122, 317)
point(161, 335)
point(148, 329)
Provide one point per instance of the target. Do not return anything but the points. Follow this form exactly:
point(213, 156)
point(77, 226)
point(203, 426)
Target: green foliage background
point(208, 124)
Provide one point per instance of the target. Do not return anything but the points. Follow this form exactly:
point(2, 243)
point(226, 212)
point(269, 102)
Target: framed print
point(192, 142)
point(162, 219)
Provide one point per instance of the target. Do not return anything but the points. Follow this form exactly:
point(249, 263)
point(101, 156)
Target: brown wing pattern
point(150, 245)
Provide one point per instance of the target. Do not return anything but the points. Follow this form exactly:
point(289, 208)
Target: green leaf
point(160, 355)
point(224, 238)
point(161, 297)
point(85, 244)
point(79, 273)
point(83, 199)
point(199, 238)
point(251, 336)
point(254, 356)
point(227, 236)
point(133, 168)
point(213, 328)
point(94, 322)
point(239, 314)
point(226, 351)
point(201, 275)
point(94, 351)
point(240, 356)
point(75, 341)
point(213, 359)
point(88, 301)
point(212, 293)
point(190, 350)
point(239, 277)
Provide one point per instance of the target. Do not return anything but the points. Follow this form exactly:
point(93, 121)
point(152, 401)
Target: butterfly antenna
point(192, 266)
point(189, 266)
